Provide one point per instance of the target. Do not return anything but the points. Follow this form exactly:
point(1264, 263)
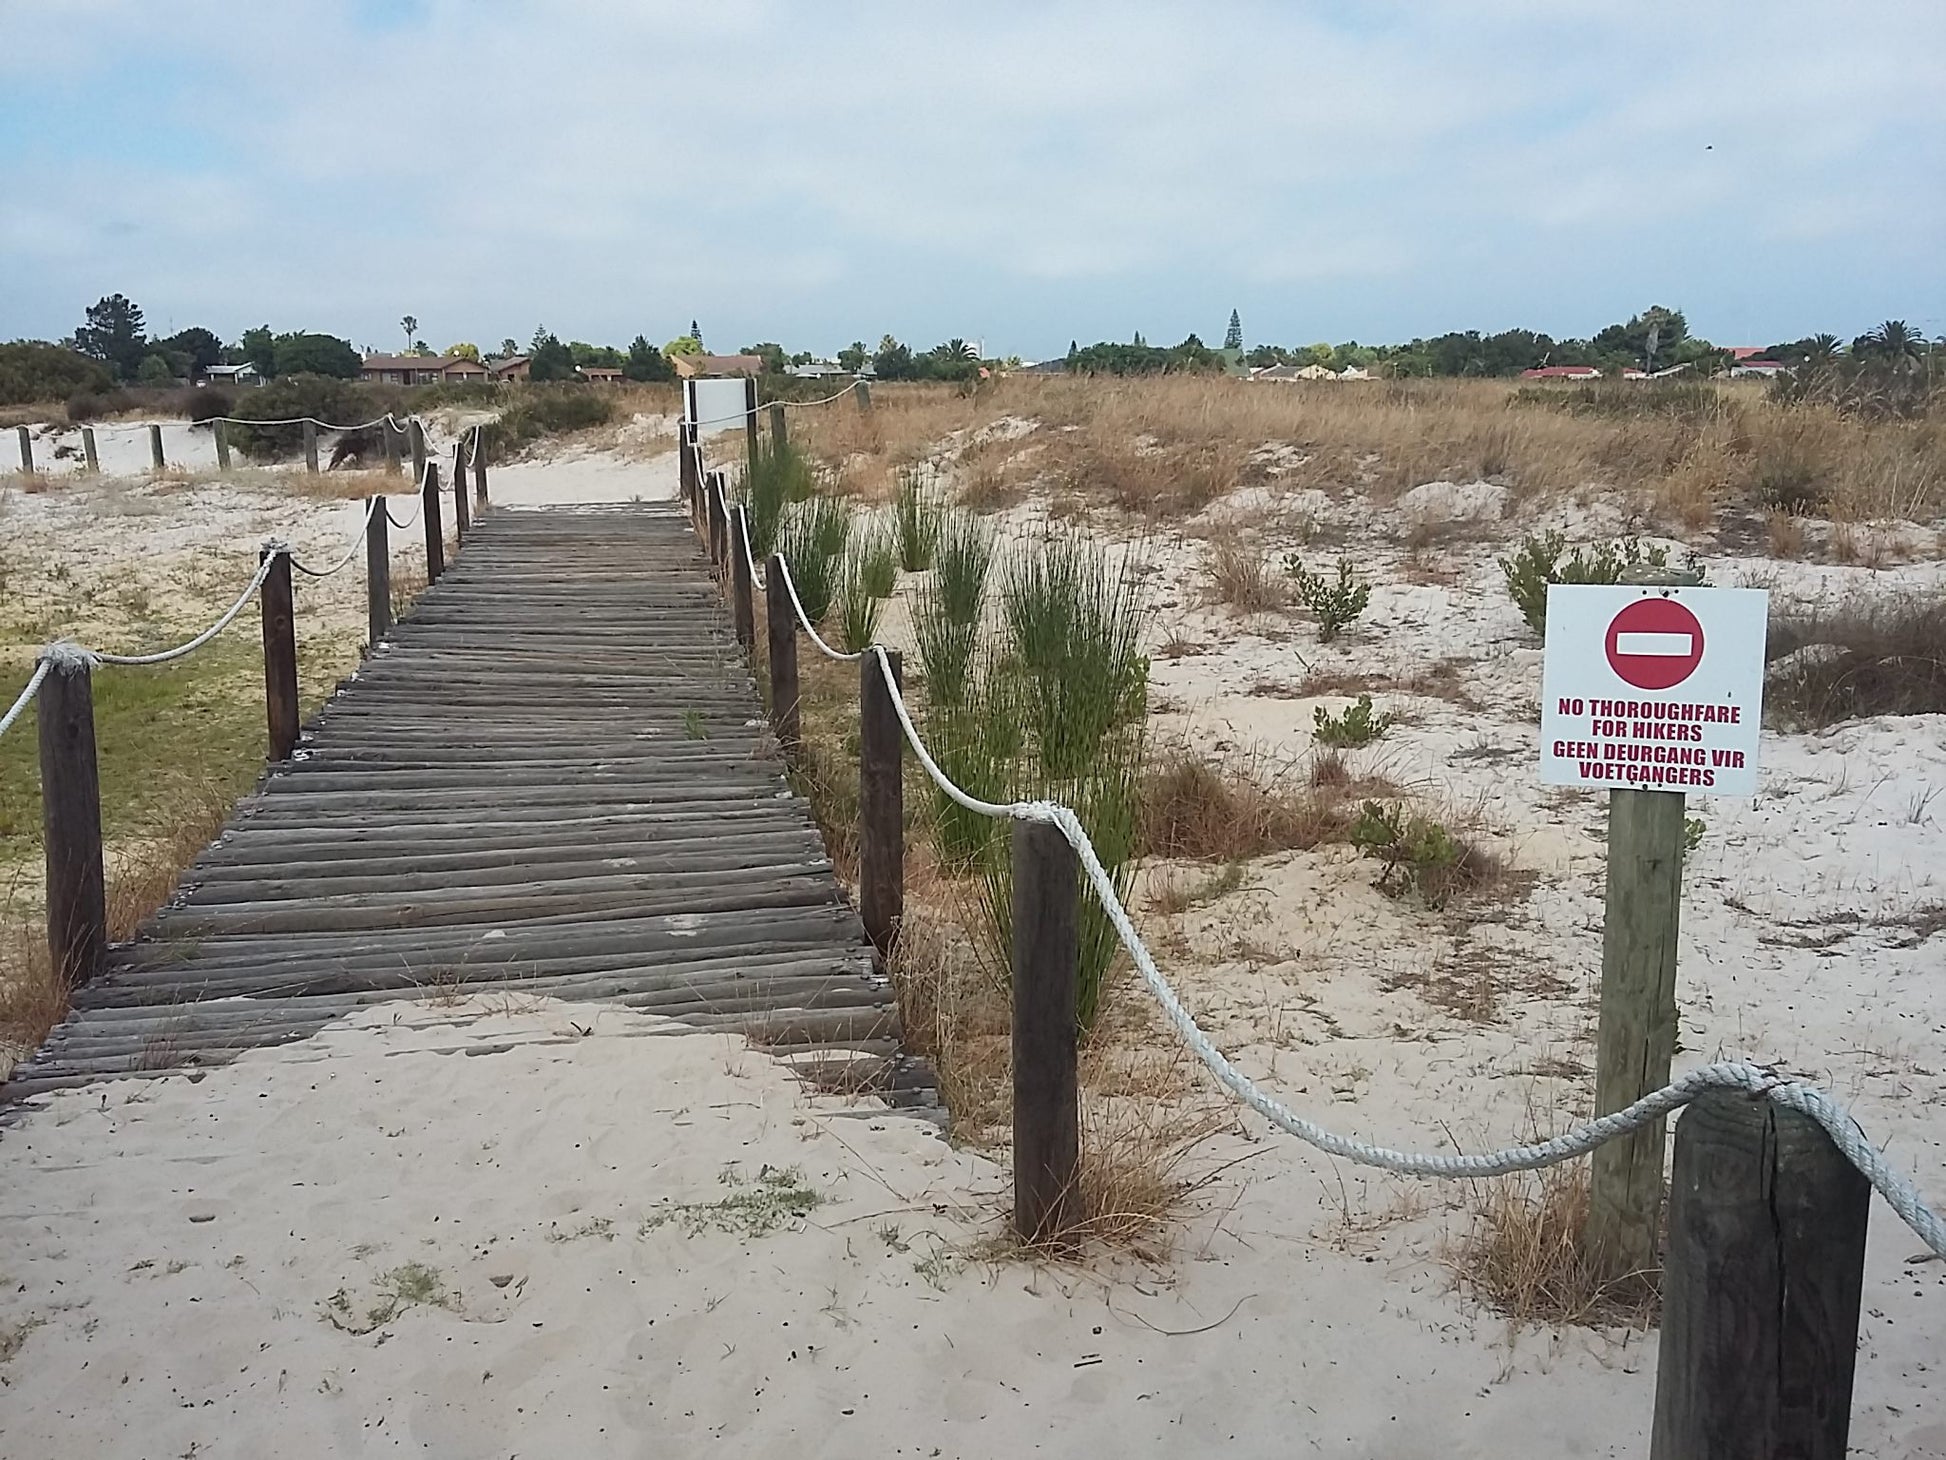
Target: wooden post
point(881, 805)
point(743, 608)
point(1637, 1035)
point(77, 902)
point(1761, 1290)
point(389, 435)
point(311, 447)
point(221, 431)
point(155, 448)
point(719, 535)
point(1046, 1031)
point(864, 396)
point(435, 534)
point(462, 519)
point(780, 635)
point(417, 433)
point(88, 450)
point(280, 654)
point(780, 432)
point(479, 469)
point(749, 419)
point(26, 452)
point(378, 573)
point(686, 467)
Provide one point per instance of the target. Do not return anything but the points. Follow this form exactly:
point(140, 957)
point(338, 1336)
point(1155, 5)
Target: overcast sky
point(1021, 174)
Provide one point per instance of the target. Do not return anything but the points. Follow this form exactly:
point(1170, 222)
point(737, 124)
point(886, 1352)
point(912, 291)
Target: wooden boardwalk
point(554, 778)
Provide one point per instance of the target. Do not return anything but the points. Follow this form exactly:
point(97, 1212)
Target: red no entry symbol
point(1655, 643)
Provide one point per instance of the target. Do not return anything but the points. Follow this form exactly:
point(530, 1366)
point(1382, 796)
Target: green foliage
point(812, 539)
point(1538, 562)
point(1074, 621)
point(114, 333)
point(321, 397)
point(918, 518)
point(646, 362)
point(314, 354)
point(1356, 726)
point(683, 345)
point(206, 403)
point(548, 359)
point(1693, 830)
point(1415, 851)
point(946, 616)
point(976, 737)
point(530, 415)
point(31, 372)
point(1337, 604)
point(865, 582)
point(778, 1198)
point(778, 475)
point(260, 350)
point(155, 371)
point(199, 348)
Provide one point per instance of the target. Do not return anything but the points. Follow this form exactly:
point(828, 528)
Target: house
point(514, 367)
point(1739, 353)
point(688, 367)
point(817, 370)
point(600, 374)
point(420, 369)
point(1762, 369)
point(1561, 372)
point(1058, 365)
point(1293, 372)
point(232, 375)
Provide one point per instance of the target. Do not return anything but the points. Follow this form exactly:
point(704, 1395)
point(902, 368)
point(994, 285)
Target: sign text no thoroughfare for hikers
point(1653, 688)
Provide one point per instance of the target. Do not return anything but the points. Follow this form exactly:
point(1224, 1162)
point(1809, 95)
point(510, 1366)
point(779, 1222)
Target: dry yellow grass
point(1161, 447)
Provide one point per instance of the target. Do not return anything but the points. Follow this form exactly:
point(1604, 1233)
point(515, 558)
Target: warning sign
point(1652, 688)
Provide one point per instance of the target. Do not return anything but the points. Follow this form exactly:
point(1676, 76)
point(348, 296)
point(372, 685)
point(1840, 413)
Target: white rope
point(792, 404)
point(26, 697)
point(418, 506)
point(804, 621)
point(163, 656)
point(351, 549)
point(1897, 1189)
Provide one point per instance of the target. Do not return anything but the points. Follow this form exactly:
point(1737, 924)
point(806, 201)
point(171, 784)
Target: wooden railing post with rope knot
point(462, 518)
point(881, 804)
point(479, 470)
point(780, 638)
point(743, 608)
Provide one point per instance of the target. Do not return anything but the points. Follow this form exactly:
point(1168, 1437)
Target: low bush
point(204, 403)
point(1418, 852)
point(93, 406)
point(1788, 478)
point(1337, 604)
point(858, 604)
point(1544, 559)
point(1869, 656)
point(919, 521)
point(1355, 726)
point(1200, 809)
point(812, 539)
point(287, 398)
point(1240, 576)
point(545, 410)
point(31, 372)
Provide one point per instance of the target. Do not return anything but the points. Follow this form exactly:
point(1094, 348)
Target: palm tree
point(411, 327)
point(958, 349)
point(1820, 348)
point(1895, 341)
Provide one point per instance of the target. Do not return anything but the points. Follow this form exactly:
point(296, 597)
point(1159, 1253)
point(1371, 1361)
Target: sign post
point(1649, 691)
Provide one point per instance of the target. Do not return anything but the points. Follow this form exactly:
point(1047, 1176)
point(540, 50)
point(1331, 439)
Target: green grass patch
point(779, 1197)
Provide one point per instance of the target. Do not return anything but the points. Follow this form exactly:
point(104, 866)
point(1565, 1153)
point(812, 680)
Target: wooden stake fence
point(462, 518)
point(77, 900)
point(378, 573)
point(881, 804)
point(88, 453)
point(435, 533)
point(156, 457)
point(280, 654)
point(26, 452)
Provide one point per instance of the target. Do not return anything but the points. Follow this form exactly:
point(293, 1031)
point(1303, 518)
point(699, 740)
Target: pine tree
point(695, 332)
point(1233, 337)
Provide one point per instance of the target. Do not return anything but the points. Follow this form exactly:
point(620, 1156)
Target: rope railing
point(1899, 1191)
point(789, 405)
point(351, 549)
point(387, 418)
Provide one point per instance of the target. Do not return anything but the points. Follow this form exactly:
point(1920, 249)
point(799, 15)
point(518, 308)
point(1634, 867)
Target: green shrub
point(1336, 604)
point(858, 604)
point(1074, 622)
point(960, 567)
point(90, 406)
point(812, 539)
point(31, 372)
point(877, 549)
point(545, 410)
point(918, 518)
point(976, 739)
point(778, 475)
point(1356, 726)
point(1414, 850)
point(321, 397)
point(205, 403)
point(1538, 562)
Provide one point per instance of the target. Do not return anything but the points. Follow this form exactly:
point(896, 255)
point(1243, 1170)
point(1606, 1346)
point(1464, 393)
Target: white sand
point(175, 1247)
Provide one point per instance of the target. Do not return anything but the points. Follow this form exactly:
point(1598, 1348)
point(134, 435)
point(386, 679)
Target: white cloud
point(1017, 171)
